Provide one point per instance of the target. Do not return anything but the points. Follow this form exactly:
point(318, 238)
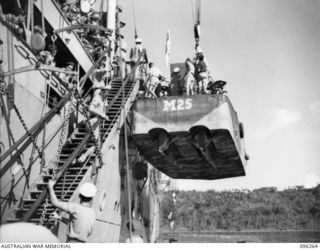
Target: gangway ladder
point(36, 202)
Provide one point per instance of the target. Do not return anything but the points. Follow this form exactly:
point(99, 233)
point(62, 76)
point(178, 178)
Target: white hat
point(138, 40)
point(88, 190)
point(176, 69)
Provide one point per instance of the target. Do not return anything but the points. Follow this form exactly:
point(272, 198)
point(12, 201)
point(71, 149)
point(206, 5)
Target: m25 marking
point(177, 104)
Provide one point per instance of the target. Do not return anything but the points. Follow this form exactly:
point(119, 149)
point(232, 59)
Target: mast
point(111, 22)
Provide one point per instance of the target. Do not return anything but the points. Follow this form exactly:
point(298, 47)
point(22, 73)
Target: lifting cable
point(196, 20)
point(19, 154)
point(42, 19)
point(9, 97)
point(101, 12)
point(31, 16)
point(198, 11)
point(126, 146)
point(193, 17)
point(28, 16)
point(134, 21)
point(196, 14)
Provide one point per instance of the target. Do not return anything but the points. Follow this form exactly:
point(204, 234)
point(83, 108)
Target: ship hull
point(190, 137)
point(29, 91)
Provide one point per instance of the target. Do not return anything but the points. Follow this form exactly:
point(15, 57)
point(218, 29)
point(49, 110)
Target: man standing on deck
point(189, 77)
point(202, 73)
point(153, 80)
point(82, 216)
point(141, 70)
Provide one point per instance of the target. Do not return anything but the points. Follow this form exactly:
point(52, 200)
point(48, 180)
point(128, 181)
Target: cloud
point(278, 119)
point(315, 107)
point(311, 180)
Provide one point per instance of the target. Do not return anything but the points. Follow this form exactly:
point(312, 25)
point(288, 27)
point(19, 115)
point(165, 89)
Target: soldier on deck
point(135, 53)
point(189, 77)
point(153, 80)
point(201, 72)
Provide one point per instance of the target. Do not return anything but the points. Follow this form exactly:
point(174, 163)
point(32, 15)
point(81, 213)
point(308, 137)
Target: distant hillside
point(266, 208)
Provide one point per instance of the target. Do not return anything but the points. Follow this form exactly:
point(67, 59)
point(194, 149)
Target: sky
point(268, 51)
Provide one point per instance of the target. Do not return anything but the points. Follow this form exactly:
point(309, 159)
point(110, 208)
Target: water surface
point(243, 237)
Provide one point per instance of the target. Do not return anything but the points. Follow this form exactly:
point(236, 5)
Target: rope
point(126, 151)
point(32, 16)
point(42, 19)
point(198, 11)
point(28, 16)
point(134, 21)
point(22, 121)
point(101, 11)
point(43, 163)
point(192, 12)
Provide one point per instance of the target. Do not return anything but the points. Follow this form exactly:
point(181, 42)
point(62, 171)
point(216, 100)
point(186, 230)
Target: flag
point(167, 50)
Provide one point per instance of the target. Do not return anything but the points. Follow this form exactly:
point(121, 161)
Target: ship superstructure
point(45, 125)
point(44, 129)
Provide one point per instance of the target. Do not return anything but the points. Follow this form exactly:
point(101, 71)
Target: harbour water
point(242, 237)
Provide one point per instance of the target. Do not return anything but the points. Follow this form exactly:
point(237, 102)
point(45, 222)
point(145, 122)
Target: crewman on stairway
point(100, 77)
point(97, 109)
point(121, 54)
point(82, 216)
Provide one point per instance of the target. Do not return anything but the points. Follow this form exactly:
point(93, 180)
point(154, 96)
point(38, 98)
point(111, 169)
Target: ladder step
point(50, 208)
point(11, 220)
point(70, 181)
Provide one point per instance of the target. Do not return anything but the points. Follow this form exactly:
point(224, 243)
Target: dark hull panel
point(198, 141)
point(183, 159)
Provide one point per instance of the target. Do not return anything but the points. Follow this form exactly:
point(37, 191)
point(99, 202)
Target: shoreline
point(237, 231)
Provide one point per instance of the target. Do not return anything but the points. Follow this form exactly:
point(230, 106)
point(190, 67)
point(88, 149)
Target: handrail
point(4, 23)
point(83, 26)
point(79, 148)
point(14, 158)
point(37, 127)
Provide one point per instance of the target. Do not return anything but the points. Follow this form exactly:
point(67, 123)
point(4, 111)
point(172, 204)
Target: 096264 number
point(308, 245)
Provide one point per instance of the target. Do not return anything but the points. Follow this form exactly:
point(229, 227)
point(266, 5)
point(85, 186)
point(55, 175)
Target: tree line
point(295, 208)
